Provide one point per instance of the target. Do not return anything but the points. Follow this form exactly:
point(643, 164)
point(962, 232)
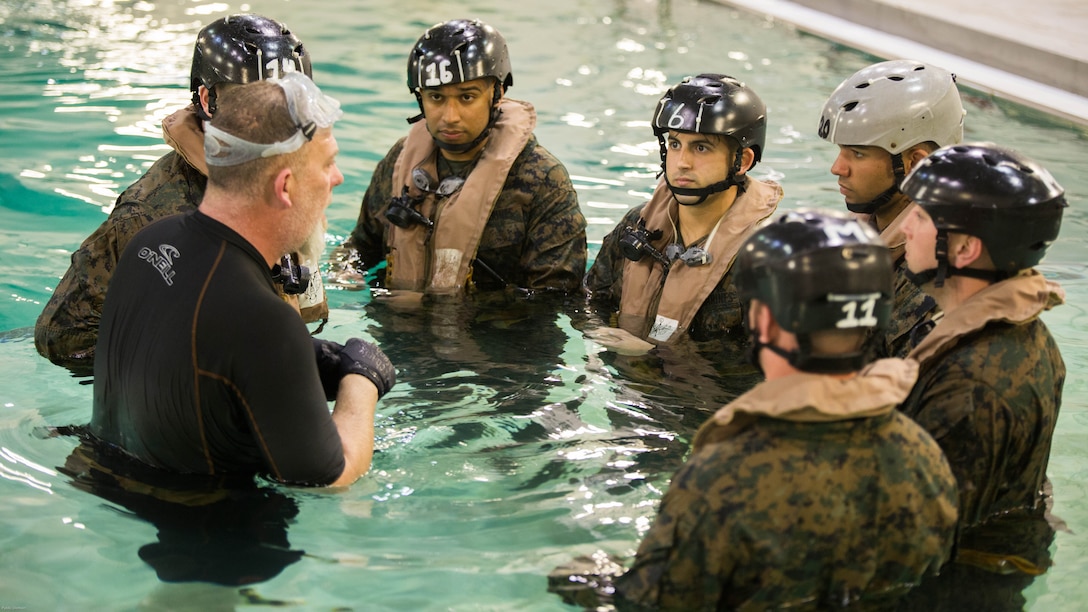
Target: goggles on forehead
point(310, 110)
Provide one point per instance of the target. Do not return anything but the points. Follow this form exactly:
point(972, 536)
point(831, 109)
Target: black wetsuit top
point(202, 368)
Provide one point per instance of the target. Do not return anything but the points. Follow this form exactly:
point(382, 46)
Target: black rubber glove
point(327, 354)
point(362, 357)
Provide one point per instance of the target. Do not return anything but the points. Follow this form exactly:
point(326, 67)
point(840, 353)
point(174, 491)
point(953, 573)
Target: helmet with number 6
point(713, 104)
point(818, 271)
point(457, 51)
point(243, 49)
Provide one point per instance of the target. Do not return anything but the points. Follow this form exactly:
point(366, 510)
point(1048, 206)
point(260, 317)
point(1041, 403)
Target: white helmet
point(894, 105)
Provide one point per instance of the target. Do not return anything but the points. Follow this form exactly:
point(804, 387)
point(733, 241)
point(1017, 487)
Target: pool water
point(512, 443)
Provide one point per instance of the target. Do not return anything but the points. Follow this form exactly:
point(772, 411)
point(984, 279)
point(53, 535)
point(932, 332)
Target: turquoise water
point(512, 443)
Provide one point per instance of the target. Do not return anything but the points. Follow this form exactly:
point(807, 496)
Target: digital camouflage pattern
point(67, 328)
point(912, 308)
point(991, 401)
point(776, 513)
point(721, 315)
point(535, 237)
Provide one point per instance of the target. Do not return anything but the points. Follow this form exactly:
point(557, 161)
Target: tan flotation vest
point(815, 398)
point(439, 261)
point(1014, 300)
point(671, 301)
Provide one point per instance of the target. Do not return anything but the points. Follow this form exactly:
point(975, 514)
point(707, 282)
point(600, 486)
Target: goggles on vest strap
point(446, 187)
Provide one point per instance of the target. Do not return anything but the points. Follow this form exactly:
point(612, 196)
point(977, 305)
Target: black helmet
point(457, 51)
point(818, 271)
point(243, 49)
point(712, 104)
point(1007, 200)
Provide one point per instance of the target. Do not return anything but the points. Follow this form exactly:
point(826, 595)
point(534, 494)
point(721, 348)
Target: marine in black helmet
point(231, 50)
point(810, 491)
point(665, 272)
point(468, 200)
point(991, 375)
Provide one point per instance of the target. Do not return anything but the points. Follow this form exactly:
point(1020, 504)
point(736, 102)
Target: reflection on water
point(513, 443)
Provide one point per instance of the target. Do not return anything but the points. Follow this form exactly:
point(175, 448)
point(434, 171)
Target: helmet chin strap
point(803, 359)
point(938, 275)
point(705, 192)
point(870, 207)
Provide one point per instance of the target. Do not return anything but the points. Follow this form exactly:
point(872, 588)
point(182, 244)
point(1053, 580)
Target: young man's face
point(864, 173)
point(921, 245)
point(694, 161)
point(457, 113)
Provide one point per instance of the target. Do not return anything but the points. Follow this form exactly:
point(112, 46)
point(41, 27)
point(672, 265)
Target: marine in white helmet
point(885, 119)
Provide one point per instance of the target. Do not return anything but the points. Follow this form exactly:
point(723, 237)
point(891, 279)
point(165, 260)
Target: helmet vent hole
point(895, 77)
point(861, 86)
point(989, 160)
point(849, 106)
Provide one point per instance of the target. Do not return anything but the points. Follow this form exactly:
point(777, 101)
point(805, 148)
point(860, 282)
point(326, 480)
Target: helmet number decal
point(438, 73)
point(676, 120)
point(275, 67)
point(825, 127)
point(857, 310)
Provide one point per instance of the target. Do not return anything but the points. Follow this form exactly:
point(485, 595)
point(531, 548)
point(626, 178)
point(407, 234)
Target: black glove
point(327, 353)
point(362, 357)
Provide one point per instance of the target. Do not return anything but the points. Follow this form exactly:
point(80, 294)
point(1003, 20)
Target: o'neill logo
point(162, 261)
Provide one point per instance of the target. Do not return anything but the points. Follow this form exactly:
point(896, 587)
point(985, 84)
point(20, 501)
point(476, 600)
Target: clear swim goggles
point(446, 187)
point(310, 110)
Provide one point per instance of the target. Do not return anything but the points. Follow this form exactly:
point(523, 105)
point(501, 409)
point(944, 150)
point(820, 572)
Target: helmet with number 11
point(818, 271)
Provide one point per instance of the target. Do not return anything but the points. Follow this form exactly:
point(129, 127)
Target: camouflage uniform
point(913, 308)
point(535, 237)
point(719, 317)
point(989, 391)
point(807, 492)
point(67, 328)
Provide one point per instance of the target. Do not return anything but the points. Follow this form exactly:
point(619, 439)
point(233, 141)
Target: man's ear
point(205, 98)
point(282, 184)
point(747, 160)
point(912, 156)
point(964, 250)
point(761, 321)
